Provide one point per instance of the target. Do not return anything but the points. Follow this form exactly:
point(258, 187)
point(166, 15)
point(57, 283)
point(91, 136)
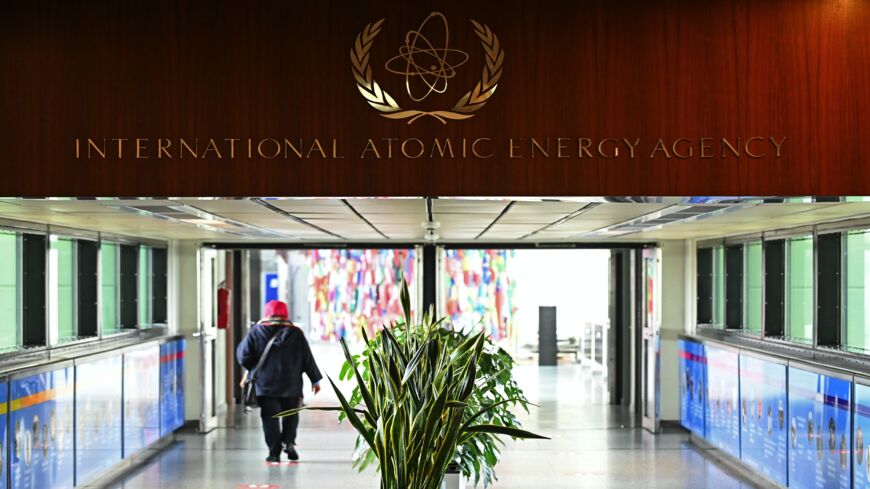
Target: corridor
point(593, 445)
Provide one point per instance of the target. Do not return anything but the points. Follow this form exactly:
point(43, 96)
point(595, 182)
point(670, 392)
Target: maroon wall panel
point(798, 69)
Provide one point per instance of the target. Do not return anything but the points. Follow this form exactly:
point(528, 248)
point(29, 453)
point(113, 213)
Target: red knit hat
point(275, 309)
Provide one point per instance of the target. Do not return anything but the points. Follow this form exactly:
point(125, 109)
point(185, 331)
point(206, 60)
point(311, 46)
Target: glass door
point(207, 336)
point(651, 338)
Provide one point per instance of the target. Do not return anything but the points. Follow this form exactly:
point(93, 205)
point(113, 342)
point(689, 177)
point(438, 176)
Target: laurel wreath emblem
point(471, 102)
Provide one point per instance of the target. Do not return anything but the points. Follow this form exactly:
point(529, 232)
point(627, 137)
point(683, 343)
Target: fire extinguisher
point(223, 307)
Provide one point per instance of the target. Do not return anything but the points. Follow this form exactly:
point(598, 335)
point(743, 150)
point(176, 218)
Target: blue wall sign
point(270, 287)
point(693, 379)
point(180, 350)
point(764, 430)
point(172, 381)
point(860, 463)
point(723, 387)
point(42, 430)
point(98, 417)
point(141, 399)
point(819, 436)
point(4, 439)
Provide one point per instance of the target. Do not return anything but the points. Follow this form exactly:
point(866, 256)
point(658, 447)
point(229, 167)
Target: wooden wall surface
point(798, 69)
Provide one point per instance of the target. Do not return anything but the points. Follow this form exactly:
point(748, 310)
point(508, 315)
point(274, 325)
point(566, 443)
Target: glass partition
point(109, 321)
point(799, 289)
point(753, 277)
point(144, 289)
point(9, 284)
point(857, 294)
point(61, 290)
point(719, 286)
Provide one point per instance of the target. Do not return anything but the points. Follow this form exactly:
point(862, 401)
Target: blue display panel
point(722, 413)
point(98, 417)
point(4, 438)
point(171, 356)
point(764, 430)
point(180, 350)
point(693, 379)
point(860, 463)
point(141, 398)
point(819, 437)
point(42, 430)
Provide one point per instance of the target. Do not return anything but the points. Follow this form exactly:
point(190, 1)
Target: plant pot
point(453, 479)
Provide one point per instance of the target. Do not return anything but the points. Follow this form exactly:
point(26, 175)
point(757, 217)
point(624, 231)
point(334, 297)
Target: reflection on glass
point(61, 296)
point(858, 289)
point(753, 276)
point(719, 285)
point(8, 290)
point(144, 289)
point(109, 288)
point(799, 294)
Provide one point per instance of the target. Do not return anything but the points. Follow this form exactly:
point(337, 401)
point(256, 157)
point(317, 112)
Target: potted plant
point(419, 401)
point(495, 386)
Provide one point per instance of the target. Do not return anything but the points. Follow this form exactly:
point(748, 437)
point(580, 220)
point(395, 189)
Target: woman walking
point(278, 381)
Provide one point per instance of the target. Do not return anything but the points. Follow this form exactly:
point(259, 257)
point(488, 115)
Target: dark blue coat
point(290, 356)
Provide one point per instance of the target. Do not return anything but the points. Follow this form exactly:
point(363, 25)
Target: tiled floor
point(593, 446)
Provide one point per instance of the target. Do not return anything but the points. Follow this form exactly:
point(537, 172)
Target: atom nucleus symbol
point(419, 59)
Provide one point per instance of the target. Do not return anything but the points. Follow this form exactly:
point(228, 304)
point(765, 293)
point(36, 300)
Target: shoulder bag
point(249, 387)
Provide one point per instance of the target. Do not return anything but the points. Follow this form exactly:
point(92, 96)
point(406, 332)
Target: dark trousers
point(279, 432)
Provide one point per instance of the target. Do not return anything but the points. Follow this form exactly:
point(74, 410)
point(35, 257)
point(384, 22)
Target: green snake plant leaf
point(351, 414)
point(504, 430)
point(395, 344)
point(405, 297)
point(291, 412)
point(489, 408)
point(412, 365)
point(363, 389)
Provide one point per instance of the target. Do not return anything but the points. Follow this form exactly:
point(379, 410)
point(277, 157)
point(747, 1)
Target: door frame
point(650, 338)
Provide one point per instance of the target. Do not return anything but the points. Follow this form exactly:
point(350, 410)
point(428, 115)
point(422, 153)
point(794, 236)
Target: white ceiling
point(402, 219)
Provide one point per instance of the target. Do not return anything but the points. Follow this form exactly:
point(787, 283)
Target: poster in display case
point(861, 435)
point(764, 430)
point(693, 379)
point(4, 439)
point(180, 350)
point(723, 387)
point(41, 430)
point(141, 398)
point(171, 382)
point(819, 430)
point(98, 417)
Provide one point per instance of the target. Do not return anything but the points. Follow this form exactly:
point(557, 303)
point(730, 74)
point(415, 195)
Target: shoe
point(273, 460)
point(290, 450)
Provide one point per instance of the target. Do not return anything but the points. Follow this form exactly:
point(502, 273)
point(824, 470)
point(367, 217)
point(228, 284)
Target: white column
point(183, 317)
point(674, 284)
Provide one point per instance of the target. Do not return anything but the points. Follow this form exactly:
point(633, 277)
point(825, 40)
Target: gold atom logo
point(427, 68)
point(420, 60)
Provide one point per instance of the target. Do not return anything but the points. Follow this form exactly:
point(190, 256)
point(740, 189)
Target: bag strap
point(253, 373)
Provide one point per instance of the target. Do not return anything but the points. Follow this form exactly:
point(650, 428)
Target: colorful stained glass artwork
point(355, 289)
point(480, 291)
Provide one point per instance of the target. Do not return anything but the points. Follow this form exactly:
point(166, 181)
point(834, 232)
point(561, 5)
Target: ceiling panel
point(449, 206)
point(620, 212)
point(312, 206)
point(390, 206)
point(223, 207)
point(405, 219)
point(465, 219)
point(540, 208)
point(400, 219)
point(531, 218)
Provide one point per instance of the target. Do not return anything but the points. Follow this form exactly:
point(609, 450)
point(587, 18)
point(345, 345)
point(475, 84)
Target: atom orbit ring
point(434, 75)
